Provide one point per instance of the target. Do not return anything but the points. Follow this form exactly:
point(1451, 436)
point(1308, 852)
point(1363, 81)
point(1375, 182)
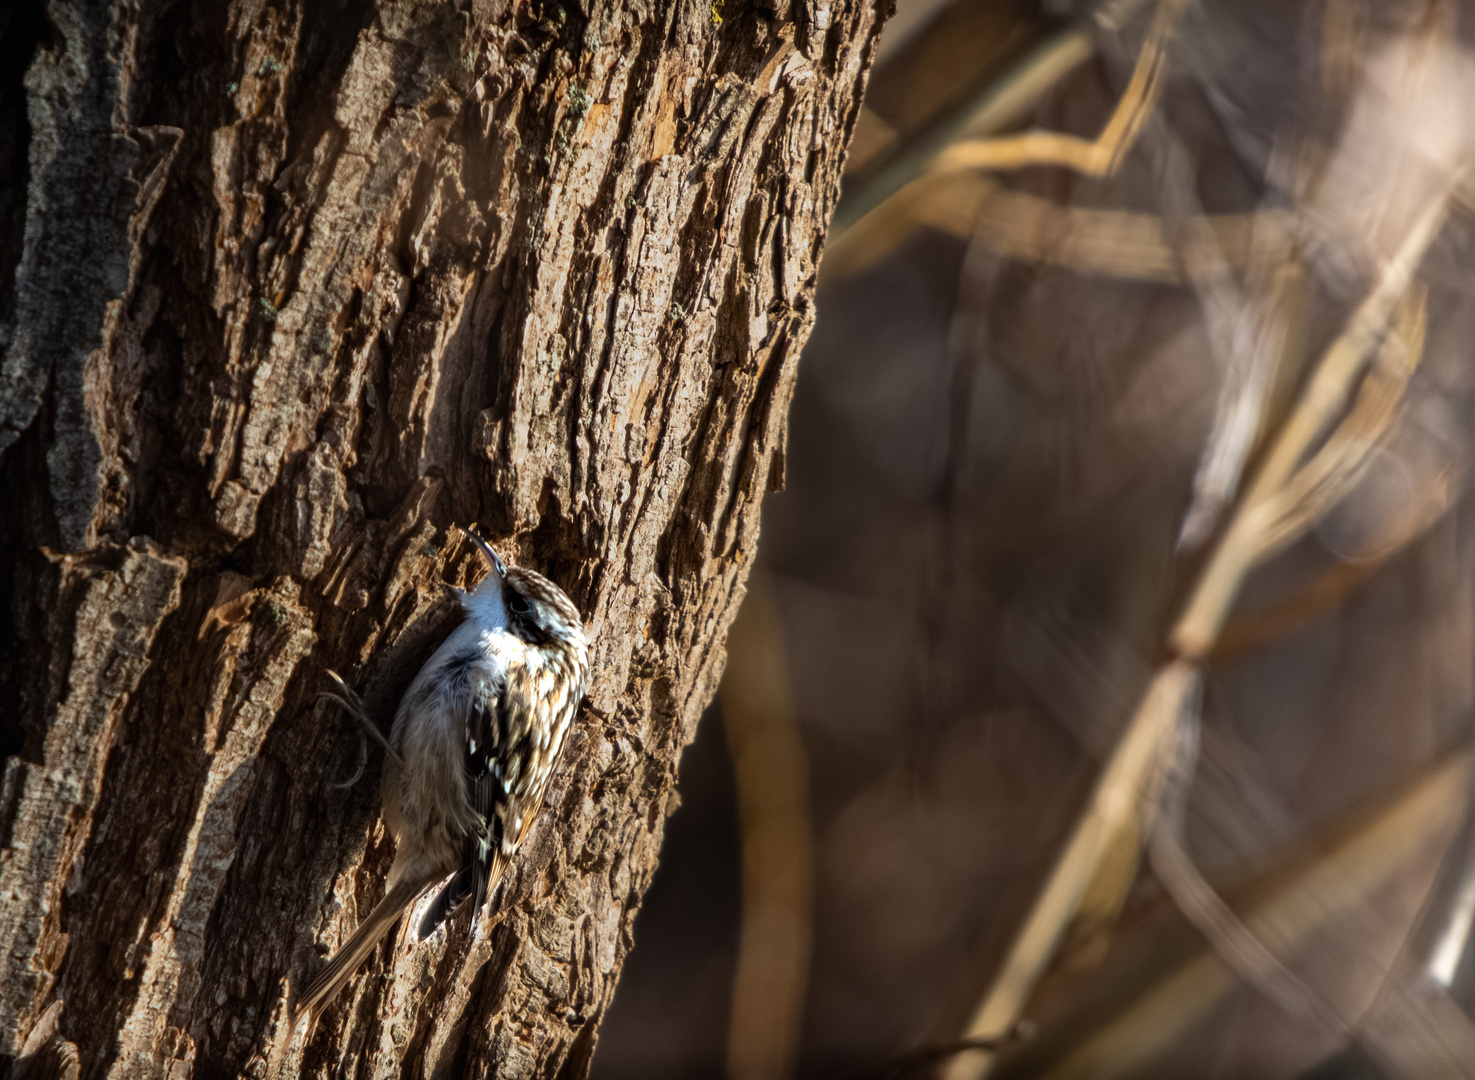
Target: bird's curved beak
point(493, 559)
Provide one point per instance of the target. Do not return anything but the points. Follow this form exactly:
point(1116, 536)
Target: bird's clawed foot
point(352, 705)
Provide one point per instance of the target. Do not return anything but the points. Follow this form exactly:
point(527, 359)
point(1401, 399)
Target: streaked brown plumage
point(477, 733)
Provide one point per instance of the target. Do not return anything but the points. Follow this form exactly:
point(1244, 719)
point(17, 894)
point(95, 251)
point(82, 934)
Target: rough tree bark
point(291, 291)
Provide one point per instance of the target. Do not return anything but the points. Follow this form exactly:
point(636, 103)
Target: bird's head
point(527, 603)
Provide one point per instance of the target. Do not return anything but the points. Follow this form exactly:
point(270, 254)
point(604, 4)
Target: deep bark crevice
point(24, 31)
point(340, 282)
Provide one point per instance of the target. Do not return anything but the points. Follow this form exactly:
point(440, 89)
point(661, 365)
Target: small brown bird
point(473, 743)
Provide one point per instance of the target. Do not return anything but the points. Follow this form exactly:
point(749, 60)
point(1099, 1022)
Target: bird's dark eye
point(518, 603)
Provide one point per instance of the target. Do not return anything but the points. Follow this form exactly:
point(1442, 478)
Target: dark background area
point(977, 557)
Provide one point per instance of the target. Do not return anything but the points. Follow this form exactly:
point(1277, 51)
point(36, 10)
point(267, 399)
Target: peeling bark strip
point(289, 292)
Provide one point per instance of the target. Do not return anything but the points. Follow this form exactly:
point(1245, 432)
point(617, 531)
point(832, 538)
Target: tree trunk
point(292, 292)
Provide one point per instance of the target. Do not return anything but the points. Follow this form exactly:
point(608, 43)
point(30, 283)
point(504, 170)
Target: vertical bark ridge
point(303, 289)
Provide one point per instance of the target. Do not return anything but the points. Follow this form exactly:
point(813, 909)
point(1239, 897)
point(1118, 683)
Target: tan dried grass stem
point(1259, 523)
point(1098, 157)
point(1328, 884)
point(998, 105)
point(771, 774)
point(1326, 591)
point(1116, 803)
point(1016, 225)
point(1126, 791)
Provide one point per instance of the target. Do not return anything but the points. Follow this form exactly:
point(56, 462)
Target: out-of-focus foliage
point(1137, 421)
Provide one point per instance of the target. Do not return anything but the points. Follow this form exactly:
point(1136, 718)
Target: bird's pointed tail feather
point(345, 962)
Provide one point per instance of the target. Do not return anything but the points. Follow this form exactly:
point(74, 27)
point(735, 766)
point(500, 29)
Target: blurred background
point(1101, 703)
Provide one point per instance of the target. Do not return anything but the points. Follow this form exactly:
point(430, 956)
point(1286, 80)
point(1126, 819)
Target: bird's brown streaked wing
point(501, 775)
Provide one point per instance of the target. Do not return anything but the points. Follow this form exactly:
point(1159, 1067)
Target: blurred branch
point(1417, 1029)
point(1248, 321)
point(1341, 461)
point(1236, 943)
point(1284, 496)
point(1328, 880)
point(771, 774)
point(999, 104)
point(1428, 505)
point(1099, 157)
point(1028, 228)
point(1276, 504)
point(1125, 785)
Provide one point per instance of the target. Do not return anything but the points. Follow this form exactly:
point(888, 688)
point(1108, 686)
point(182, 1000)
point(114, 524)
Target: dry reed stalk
point(1098, 157)
point(1028, 228)
point(1250, 958)
point(928, 197)
point(948, 202)
point(1116, 804)
point(1249, 328)
point(1264, 520)
point(1003, 102)
point(1337, 467)
point(1269, 516)
point(1330, 588)
point(1420, 1031)
point(771, 774)
point(1359, 856)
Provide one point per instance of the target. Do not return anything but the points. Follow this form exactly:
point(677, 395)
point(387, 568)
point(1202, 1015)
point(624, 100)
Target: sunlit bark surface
point(290, 293)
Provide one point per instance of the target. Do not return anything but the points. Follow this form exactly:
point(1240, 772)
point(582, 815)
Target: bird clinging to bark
point(474, 741)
